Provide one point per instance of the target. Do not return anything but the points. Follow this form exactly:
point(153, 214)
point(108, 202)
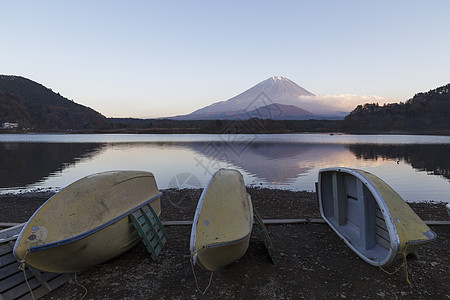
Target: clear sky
point(163, 58)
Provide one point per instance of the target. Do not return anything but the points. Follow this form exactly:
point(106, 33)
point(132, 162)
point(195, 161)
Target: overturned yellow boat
point(87, 222)
point(223, 221)
point(371, 218)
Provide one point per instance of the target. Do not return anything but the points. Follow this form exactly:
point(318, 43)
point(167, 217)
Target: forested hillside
point(426, 112)
point(34, 106)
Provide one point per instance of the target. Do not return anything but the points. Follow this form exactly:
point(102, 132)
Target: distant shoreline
point(164, 131)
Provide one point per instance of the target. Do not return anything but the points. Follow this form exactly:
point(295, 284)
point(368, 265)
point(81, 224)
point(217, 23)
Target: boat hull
point(216, 257)
point(223, 221)
point(371, 218)
point(56, 240)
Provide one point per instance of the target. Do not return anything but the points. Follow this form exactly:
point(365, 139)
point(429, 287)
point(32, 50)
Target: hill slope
point(425, 112)
point(31, 104)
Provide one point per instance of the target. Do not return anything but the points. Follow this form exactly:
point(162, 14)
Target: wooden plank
point(5, 248)
point(9, 270)
point(378, 213)
point(4, 224)
point(10, 234)
point(11, 238)
point(266, 221)
point(176, 223)
point(381, 223)
point(37, 293)
point(21, 289)
point(382, 233)
point(380, 239)
point(15, 287)
point(382, 242)
point(42, 291)
point(7, 259)
point(293, 221)
point(444, 223)
point(13, 280)
point(38, 276)
point(286, 221)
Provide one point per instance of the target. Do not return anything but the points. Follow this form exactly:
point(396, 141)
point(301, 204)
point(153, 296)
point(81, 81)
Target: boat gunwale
point(394, 237)
point(221, 244)
point(91, 231)
point(198, 209)
point(422, 242)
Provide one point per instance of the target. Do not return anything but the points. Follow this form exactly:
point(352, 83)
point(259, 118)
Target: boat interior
point(351, 209)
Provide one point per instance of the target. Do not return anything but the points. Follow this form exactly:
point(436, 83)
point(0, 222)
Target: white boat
point(223, 221)
point(371, 218)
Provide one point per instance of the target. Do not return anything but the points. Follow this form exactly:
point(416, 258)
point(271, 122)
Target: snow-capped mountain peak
point(274, 90)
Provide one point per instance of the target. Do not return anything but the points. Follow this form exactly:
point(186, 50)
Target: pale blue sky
point(163, 58)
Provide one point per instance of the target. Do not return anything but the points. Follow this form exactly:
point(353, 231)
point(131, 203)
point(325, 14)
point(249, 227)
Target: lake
point(417, 167)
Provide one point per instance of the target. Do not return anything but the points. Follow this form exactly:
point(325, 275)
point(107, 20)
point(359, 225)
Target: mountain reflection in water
point(279, 163)
point(23, 164)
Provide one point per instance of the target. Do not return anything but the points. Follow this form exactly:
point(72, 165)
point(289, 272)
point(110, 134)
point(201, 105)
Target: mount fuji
point(277, 98)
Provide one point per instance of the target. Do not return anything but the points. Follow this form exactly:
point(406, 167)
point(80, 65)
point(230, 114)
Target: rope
point(404, 265)
point(195, 277)
point(85, 289)
point(22, 267)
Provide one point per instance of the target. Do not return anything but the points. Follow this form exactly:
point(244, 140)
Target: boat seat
point(354, 209)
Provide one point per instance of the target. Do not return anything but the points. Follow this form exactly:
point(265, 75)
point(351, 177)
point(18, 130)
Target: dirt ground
point(313, 263)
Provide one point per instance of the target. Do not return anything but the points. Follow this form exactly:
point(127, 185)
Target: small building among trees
point(8, 125)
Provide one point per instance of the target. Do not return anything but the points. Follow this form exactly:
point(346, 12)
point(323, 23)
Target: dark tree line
point(425, 112)
point(236, 126)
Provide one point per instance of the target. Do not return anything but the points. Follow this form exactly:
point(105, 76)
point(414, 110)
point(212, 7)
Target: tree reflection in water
point(434, 158)
point(23, 164)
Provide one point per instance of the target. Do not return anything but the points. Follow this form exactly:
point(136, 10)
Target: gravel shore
point(313, 263)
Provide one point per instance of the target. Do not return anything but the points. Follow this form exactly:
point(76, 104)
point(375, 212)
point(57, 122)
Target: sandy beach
point(313, 263)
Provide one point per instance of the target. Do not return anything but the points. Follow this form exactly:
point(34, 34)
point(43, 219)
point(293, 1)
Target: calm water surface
point(417, 167)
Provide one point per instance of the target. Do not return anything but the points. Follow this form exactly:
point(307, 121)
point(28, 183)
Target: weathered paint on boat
point(371, 218)
point(87, 222)
point(223, 221)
